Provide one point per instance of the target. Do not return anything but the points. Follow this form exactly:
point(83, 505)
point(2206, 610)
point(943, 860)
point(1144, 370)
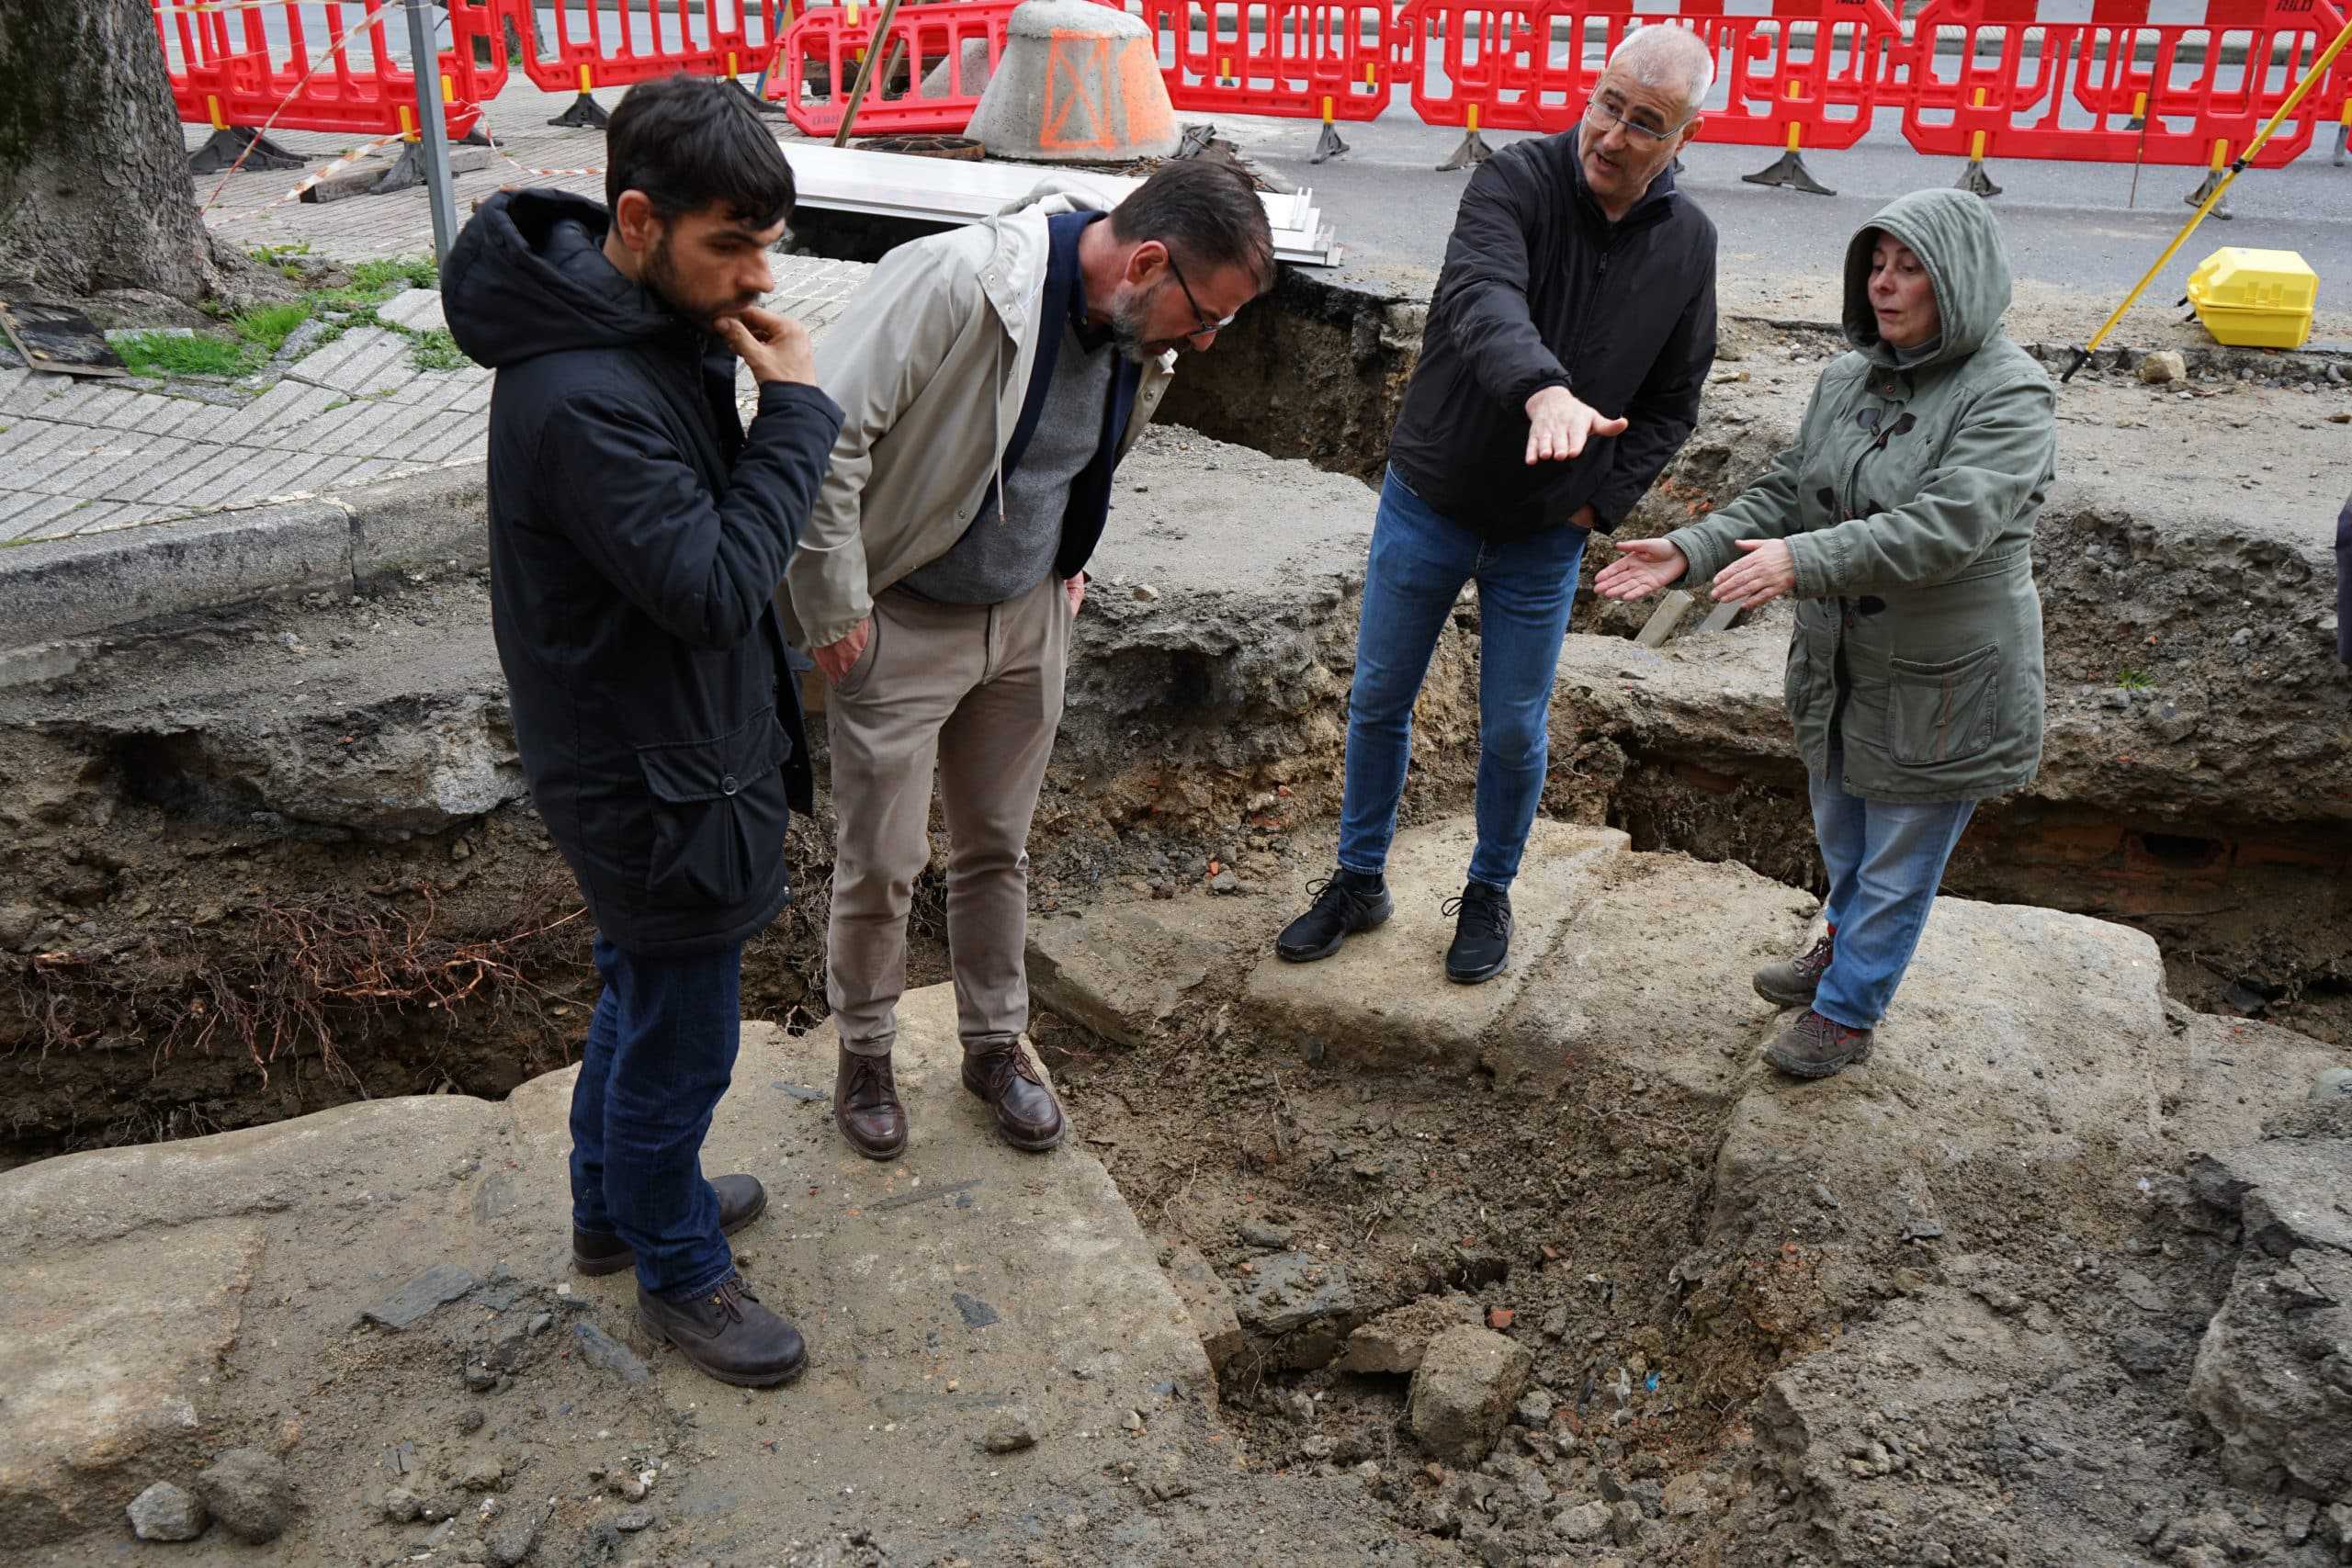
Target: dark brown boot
point(741, 1200)
point(865, 1105)
point(1026, 1114)
point(726, 1334)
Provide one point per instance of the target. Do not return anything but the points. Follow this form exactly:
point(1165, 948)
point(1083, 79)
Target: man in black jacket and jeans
point(637, 534)
point(1577, 281)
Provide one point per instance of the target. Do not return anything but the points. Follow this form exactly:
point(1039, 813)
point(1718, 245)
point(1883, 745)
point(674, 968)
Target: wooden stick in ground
point(865, 71)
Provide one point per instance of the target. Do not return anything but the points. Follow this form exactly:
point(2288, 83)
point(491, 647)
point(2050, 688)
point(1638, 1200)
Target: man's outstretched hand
point(1642, 568)
point(1558, 425)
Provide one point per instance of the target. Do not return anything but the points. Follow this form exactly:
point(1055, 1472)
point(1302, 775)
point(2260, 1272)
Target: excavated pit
point(278, 858)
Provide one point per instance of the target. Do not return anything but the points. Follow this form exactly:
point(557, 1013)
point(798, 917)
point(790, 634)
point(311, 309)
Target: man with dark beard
point(638, 533)
point(991, 379)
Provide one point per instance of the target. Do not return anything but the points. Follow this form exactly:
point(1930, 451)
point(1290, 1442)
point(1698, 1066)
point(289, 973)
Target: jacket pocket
point(1796, 681)
point(719, 812)
point(1943, 713)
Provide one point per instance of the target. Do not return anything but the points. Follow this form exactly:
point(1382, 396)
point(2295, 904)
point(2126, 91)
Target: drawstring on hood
point(1959, 241)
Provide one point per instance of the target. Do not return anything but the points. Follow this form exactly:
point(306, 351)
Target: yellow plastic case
point(2251, 299)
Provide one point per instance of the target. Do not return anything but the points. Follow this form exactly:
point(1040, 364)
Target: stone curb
point(58, 591)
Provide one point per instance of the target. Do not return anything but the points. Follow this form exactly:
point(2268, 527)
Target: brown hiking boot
point(1791, 982)
point(865, 1104)
point(741, 1200)
point(1026, 1114)
point(726, 1334)
point(1818, 1047)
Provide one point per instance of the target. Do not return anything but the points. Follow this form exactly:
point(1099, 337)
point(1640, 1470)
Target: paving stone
point(419, 310)
point(31, 394)
point(442, 436)
point(32, 522)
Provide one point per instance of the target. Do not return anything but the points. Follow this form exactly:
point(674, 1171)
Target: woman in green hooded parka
point(1900, 524)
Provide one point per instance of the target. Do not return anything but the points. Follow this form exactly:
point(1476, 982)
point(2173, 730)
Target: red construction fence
point(1975, 79)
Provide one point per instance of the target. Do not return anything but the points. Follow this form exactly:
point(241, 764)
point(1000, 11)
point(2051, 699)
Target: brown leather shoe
point(1026, 1114)
point(726, 1334)
point(865, 1105)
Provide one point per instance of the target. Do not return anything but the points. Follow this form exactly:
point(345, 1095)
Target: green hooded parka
point(1908, 503)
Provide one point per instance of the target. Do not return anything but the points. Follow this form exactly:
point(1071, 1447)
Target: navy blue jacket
point(638, 534)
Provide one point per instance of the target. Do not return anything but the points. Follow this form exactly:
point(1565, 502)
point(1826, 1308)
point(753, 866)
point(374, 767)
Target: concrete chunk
point(1464, 1391)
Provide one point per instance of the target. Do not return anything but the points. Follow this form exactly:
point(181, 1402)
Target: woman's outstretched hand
point(1642, 568)
point(1767, 572)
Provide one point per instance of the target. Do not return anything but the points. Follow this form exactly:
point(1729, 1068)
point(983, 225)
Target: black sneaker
point(1346, 902)
point(726, 1334)
point(1481, 934)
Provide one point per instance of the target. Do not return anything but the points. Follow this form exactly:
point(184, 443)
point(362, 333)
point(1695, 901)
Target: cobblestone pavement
point(85, 456)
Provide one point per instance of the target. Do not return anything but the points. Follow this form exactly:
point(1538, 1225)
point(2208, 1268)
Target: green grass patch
point(385, 279)
point(154, 354)
point(252, 338)
point(437, 350)
point(267, 328)
point(2135, 681)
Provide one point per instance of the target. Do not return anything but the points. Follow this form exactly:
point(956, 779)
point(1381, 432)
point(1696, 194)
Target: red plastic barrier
point(1809, 73)
point(322, 65)
point(587, 44)
point(2023, 89)
point(825, 46)
point(1328, 60)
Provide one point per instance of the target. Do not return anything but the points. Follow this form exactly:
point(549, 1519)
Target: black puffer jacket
point(2343, 583)
point(1540, 289)
point(637, 534)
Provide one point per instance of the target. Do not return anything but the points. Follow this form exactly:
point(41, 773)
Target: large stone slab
point(1383, 999)
point(965, 1285)
point(2022, 1039)
point(105, 1355)
point(1123, 969)
point(1651, 978)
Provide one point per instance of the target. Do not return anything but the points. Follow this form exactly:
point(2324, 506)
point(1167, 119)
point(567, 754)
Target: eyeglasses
point(1601, 115)
point(1203, 327)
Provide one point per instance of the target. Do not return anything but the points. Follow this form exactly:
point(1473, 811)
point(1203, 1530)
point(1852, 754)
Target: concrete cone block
point(1077, 82)
point(945, 78)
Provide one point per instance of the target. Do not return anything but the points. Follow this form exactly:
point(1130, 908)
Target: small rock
point(1576, 1525)
point(2332, 1085)
point(483, 1474)
point(481, 1379)
point(250, 1493)
point(402, 1506)
point(2240, 637)
point(1271, 1238)
point(1146, 594)
point(1224, 882)
point(629, 1485)
point(164, 1512)
point(1534, 1409)
point(634, 1520)
point(2164, 368)
point(1133, 1421)
point(1010, 1433)
point(1500, 1318)
point(514, 1538)
point(469, 1423)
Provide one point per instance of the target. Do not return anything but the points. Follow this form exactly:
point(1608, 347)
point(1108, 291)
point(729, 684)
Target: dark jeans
point(1419, 562)
point(660, 1049)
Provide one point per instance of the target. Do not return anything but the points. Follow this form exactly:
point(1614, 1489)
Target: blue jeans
point(1419, 562)
point(1885, 860)
point(661, 1051)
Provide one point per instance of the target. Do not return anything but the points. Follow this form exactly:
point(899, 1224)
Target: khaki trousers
point(973, 692)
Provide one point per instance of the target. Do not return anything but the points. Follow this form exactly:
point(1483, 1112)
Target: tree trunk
point(94, 193)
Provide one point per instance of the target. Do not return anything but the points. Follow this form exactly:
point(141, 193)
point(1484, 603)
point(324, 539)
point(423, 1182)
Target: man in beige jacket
point(992, 376)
